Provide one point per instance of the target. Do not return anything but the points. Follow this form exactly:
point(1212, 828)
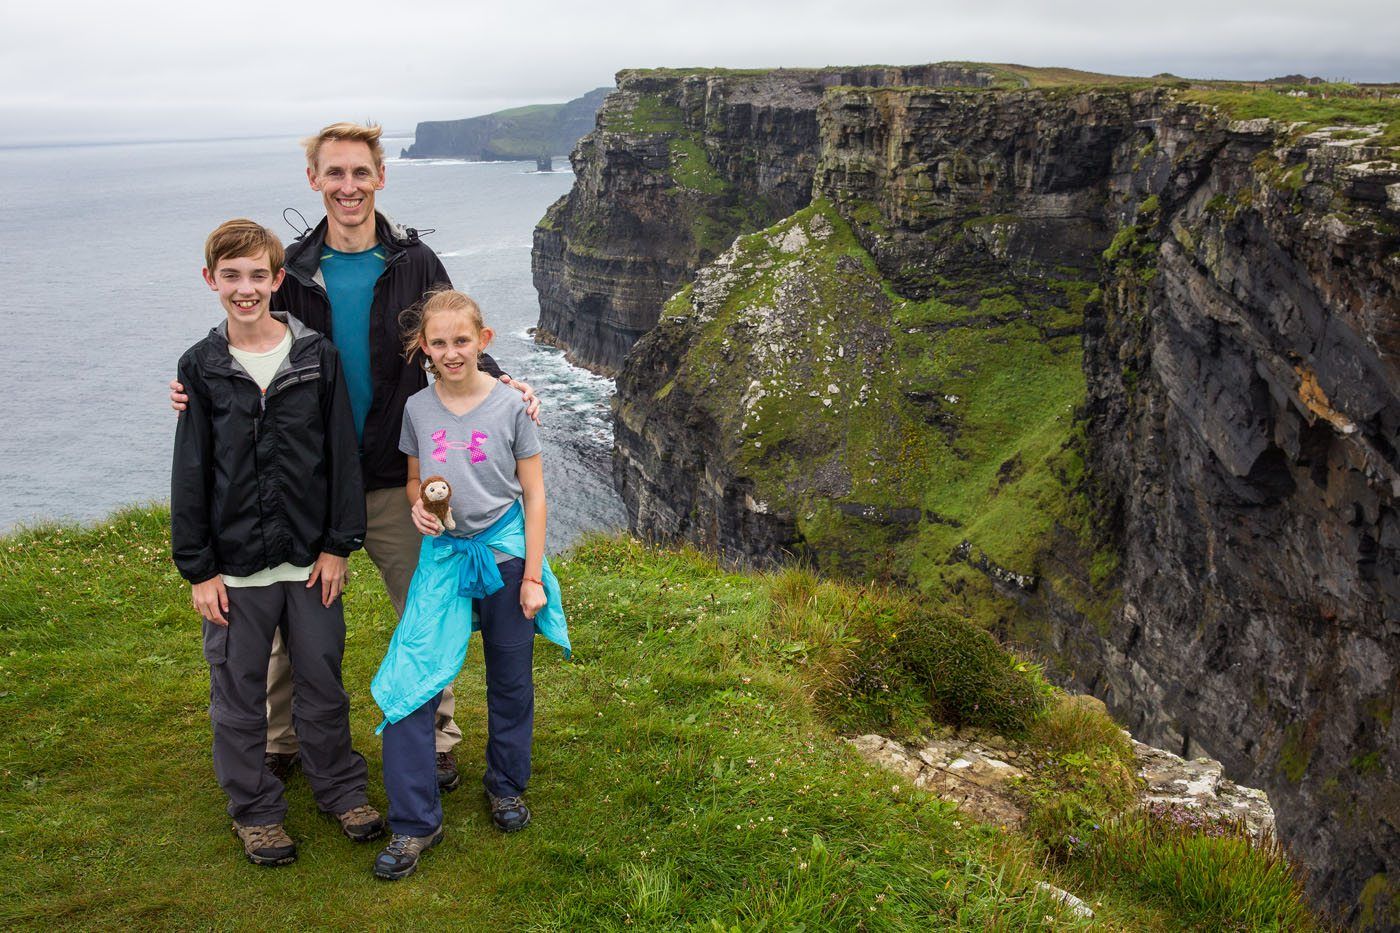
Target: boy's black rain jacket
point(264, 479)
point(411, 268)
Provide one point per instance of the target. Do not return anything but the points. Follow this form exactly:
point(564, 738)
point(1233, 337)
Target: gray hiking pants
point(237, 656)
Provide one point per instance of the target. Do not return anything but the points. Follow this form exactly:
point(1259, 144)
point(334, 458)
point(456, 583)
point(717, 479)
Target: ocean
point(100, 293)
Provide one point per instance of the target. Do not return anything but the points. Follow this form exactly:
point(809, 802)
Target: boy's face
point(347, 178)
point(245, 286)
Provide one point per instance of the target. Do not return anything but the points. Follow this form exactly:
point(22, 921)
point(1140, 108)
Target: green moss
point(921, 415)
point(1367, 763)
point(1292, 178)
point(1379, 907)
point(1149, 206)
point(649, 113)
point(866, 214)
point(1296, 752)
point(691, 168)
point(1121, 241)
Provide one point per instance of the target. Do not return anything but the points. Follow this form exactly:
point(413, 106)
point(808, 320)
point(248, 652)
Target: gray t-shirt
point(476, 452)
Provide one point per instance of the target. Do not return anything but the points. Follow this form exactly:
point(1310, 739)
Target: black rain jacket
point(411, 268)
point(263, 479)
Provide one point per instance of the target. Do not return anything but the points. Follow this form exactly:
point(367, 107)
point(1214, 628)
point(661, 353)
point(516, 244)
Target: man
point(350, 278)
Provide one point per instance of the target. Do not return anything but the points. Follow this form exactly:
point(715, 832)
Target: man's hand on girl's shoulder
point(527, 395)
point(178, 398)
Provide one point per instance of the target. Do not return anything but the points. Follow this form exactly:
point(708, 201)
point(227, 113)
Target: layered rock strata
point(679, 164)
point(886, 383)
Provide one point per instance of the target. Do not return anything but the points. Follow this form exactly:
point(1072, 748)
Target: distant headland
point(540, 130)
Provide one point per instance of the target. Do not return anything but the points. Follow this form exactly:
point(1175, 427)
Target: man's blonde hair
point(355, 132)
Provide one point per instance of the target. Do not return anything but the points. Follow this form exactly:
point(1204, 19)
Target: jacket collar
point(304, 255)
point(220, 361)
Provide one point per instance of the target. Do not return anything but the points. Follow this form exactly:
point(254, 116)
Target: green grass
point(1216, 879)
point(680, 775)
point(1341, 107)
point(683, 778)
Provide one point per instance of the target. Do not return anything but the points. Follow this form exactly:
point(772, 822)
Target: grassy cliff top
point(684, 775)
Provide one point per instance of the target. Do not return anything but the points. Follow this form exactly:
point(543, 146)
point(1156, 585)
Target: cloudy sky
point(155, 70)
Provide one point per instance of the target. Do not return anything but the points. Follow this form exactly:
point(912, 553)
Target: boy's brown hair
point(240, 237)
point(365, 133)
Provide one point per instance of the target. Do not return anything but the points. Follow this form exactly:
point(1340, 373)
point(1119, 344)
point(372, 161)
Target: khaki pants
point(392, 543)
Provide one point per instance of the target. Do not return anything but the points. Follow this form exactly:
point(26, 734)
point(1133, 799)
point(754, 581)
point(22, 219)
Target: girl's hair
point(413, 322)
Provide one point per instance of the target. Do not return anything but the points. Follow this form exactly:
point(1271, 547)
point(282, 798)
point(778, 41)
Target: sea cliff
point(1109, 368)
point(532, 132)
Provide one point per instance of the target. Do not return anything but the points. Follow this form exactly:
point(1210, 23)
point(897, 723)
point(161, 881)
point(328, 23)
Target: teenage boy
point(350, 278)
point(266, 504)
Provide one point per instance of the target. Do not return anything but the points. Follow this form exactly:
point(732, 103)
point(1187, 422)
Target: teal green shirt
point(350, 279)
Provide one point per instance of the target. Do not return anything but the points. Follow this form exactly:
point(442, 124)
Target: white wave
point(489, 248)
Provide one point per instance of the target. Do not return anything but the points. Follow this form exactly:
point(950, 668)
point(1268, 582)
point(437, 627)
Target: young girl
point(488, 573)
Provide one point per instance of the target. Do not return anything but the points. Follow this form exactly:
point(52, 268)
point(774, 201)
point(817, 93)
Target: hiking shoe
point(447, 777)
point(399, 858)
point(266, 845)
point(362, 823)
point(281, 764)
point(508, 813)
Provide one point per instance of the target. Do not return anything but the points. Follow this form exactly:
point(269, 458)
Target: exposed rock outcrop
point(982, 781)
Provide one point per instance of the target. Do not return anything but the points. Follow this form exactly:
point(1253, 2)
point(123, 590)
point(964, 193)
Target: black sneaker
point(266, 845)
point(399, 858)
point(281, 764)
point(508, 813)
point(447, 777)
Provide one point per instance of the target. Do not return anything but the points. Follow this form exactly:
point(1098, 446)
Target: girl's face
point(453, 343)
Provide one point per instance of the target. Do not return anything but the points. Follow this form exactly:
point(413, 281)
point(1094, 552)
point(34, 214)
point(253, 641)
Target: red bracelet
point(532, 580)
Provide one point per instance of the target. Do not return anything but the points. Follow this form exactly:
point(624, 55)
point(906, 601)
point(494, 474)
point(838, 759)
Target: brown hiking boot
point(266, 845)
point(281, 764)
point(448, 777)
point(361, 823)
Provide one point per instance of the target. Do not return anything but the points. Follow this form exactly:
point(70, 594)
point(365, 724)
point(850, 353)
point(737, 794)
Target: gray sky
point(147, 70)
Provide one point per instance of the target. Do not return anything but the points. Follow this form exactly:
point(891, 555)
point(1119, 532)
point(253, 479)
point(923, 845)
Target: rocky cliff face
point(679, 164)
point(1112, 372)
point(1244, 409)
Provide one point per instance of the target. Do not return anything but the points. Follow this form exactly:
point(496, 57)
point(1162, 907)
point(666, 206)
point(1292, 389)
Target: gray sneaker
point(266, 845)
point(399, 858)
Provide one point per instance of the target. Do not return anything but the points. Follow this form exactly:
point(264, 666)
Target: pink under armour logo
point(444, 445)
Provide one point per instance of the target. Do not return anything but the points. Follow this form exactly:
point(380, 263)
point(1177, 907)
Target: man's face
point(347, 178)
point(245, 286)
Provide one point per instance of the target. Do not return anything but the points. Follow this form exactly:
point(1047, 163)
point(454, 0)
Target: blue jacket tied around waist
point(430, 643)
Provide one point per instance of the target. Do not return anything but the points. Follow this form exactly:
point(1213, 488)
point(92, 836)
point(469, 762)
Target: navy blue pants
point(410, 761)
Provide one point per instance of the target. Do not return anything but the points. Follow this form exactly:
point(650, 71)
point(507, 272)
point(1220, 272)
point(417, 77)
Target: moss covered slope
point(885, 436)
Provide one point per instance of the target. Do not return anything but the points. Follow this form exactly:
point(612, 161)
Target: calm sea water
point(100, 293)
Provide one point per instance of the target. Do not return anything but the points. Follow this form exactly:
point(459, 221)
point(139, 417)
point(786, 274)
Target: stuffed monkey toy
point(437, 499)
